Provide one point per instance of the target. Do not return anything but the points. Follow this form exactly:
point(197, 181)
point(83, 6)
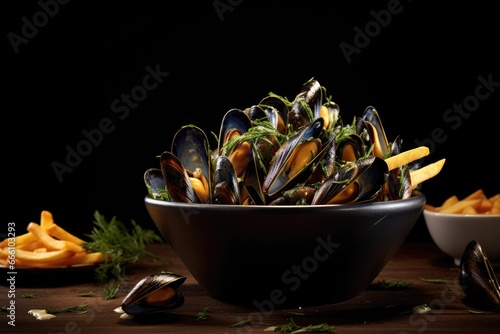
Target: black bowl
point(285, 256)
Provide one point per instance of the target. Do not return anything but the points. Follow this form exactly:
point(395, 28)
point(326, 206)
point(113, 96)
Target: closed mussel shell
point(154, 293)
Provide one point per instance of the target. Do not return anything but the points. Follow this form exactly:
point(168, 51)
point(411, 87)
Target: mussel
point(154, 293)
point(153, 178)
point(307, 105)
point(477, 278)
point(283, 152)
point(293, 158)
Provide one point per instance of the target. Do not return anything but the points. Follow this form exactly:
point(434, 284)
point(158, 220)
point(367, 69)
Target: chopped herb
point(78, 308)
point(241, 323)
point(475, 312)
point(203, 314)
point(260, 130)
point(434, 280)
point(28, 295)
point(119, 244)
point(110, 290)
point(289, 313)
point(86, 294)
point(392, 285)
point(293, 328)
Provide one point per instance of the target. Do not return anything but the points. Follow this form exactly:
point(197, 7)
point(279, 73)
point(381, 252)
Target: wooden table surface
point(373, 311)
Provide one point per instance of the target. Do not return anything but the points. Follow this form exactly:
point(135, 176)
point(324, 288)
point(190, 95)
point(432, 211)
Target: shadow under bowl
point(271, 257)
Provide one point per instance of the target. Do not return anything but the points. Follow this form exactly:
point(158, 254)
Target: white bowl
point(452, 233)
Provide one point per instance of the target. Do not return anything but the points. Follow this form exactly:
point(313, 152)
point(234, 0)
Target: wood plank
point(373, 311)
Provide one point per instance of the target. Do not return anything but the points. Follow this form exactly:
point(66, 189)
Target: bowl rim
point(456, 215)
point(417, 198)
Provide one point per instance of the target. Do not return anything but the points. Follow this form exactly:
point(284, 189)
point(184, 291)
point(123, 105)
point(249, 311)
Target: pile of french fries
point(419, 175)
point(46, 245)
point(475, 203)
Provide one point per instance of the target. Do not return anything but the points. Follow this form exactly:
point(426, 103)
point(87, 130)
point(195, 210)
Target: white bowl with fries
point(457, 222)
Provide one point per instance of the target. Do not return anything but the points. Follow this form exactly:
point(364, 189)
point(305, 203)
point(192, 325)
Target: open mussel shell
point(155, 183)
point(477, 278)
point(288, 163)
point(190, 145)
point(306, 105)
point(235, 122)
point(356, 181)
point(272, 103)
point(376, 132)
point(154, 293)
point(176, 178)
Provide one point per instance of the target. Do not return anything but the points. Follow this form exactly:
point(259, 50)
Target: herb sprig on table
point(120, 244)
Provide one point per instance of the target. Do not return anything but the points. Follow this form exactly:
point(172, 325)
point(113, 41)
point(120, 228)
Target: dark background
point(63, 80)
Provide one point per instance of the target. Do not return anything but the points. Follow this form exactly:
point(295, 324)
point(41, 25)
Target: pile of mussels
point(281, 152)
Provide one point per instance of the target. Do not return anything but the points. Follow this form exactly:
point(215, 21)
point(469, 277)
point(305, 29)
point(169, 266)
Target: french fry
point(476, 194)
point(50, 242)
point(406, 157)
point(473, 204)
point(469, 210)
point(58, 232)
point(420, 175)
point(46, 257)
point(46, 219)
point(459, 206)
point(47, 245)
point(429, 207)
point(495, 198)
point(449, 201)
point(30, 246)
point(485, 206)
point(80, 258)
point(22, 239)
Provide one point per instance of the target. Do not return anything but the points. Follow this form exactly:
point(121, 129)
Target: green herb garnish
point(434, 280)
point(86, 294)
point(77, 308)
point(392, 285)
point(203, 314)
point(110, 290)
point(293, 328)
point(119, 244)
point(241, 323)
point(259, 130)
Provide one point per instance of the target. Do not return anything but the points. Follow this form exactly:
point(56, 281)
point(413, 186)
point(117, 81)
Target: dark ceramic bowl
point(285, 256)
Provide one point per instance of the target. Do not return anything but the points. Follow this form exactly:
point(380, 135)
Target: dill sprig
point(119, 244)
point(287, 102)
point(203, 314)
point(434, 280)
point(292, 328)
point(241, 323)
point(344, 132)
point(77, 308)
point(392, 285)
point(260, 129)
point(110, 290)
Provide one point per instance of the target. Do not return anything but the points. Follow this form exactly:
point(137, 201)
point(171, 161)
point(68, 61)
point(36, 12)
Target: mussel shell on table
point(477, 278)
point(154, 294)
